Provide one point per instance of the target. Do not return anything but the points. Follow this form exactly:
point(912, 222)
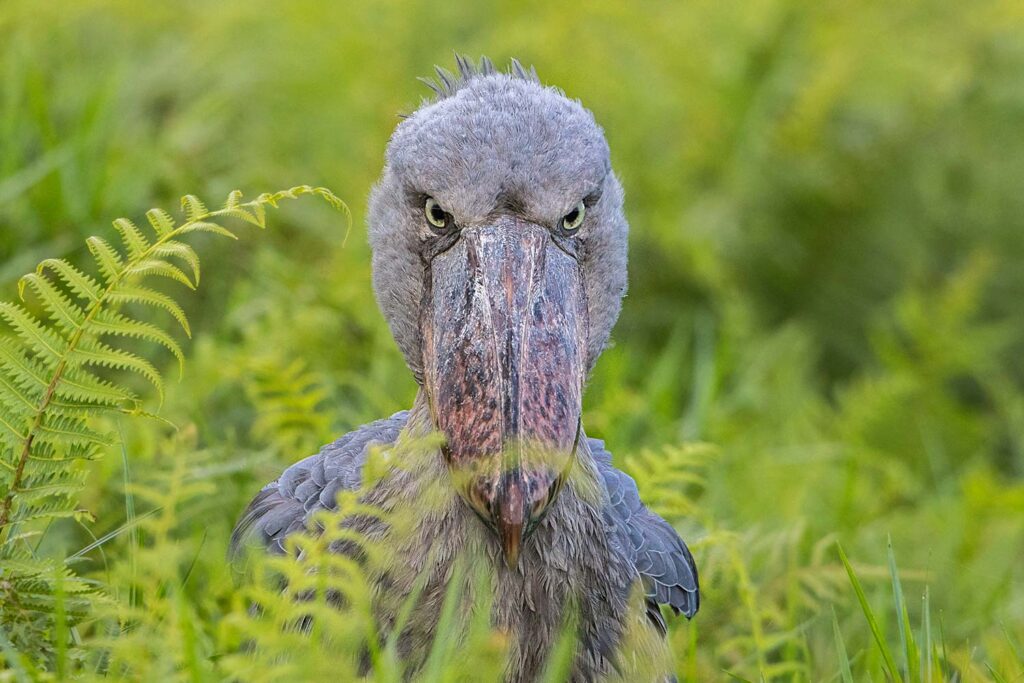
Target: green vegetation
point(821, 347)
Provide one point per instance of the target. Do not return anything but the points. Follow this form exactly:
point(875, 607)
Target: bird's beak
point(504, 325)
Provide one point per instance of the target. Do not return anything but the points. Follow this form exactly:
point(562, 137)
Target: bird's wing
point(662, 560)
point(283, 506)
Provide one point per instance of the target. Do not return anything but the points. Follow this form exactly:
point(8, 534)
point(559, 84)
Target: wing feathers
point(661, 558)
point(283, 506)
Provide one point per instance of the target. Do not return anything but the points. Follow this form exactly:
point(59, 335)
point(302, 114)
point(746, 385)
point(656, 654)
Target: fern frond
point(150, 297)
point(25, 372)
point(37, 336)
point(11, 393)
point(112, 323)
point(288, 398)
point(50, 485)
point(51, 509)
point(24, 535)
point(161, 221)
point(155, 266)
point(83, 388)
point(64, 312)
point(204, 226)
point(65, 431)
point(50, 390)
point(182, 251)
point(107, 258)
point(77, 281)
point(194, 209)
point(135, 242)
point(48, 459)
point(5, 422)
point(259, 211)
point(25, 565)
point(233, 200)
point(93, 352)
point(15, 409)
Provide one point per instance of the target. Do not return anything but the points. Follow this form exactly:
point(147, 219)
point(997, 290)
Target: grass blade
point(911, 659)
point(876, 631)
point(926, 629)
point(897, 595)
point(111, 535)
point(844, 660)
point(130, 517)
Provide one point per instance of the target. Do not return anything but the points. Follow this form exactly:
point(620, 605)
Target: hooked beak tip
point(511, 543)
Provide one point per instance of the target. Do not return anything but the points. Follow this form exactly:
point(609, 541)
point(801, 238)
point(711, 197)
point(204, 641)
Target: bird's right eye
point(438, 218)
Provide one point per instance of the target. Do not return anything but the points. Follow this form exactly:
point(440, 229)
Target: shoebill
point(499, 262)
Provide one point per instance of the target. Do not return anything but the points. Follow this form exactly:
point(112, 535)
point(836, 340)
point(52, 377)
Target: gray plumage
point(284, 506)
point(499, 144)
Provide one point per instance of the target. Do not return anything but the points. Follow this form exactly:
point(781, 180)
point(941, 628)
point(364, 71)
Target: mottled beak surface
point(504, 343)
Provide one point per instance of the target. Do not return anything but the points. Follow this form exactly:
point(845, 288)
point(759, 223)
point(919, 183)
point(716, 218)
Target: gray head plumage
point(491, 143)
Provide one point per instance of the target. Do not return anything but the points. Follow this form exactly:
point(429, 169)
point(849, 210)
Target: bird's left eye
point(438, 218)
point(572, 221)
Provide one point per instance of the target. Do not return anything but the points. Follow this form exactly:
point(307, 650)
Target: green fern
point(288, 399)
point(55, 382)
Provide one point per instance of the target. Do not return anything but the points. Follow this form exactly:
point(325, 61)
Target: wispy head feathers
point(445, 83)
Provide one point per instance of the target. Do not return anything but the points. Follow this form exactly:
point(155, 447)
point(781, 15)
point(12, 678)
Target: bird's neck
point(420, 422)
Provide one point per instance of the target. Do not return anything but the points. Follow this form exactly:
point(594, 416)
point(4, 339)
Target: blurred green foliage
point(822, 341)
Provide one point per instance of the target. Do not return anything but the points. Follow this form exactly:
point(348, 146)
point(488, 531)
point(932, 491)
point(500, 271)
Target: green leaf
point(54, 509)
point(127, 294)
point(876, 631)
point(204, 226)
point(241, 214)
point(38, 337)
point(135, 242)
point(844, 660)
point(62, 310)
point(233, 200)
point(81, 386)
point(77, 281)
point(194, 209)
point(97, 353)
point(63, 431)
point(25, 371)
point(17, 663)
point(111, 323)
point(911, 659)
point(41, 491)
point(13, 429)
point(259, 211)
point(11, 391)
point(182, 251)
point(107, 258)
point(161, 221)
point(160, 268)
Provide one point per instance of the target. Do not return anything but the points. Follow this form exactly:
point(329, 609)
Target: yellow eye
point(572, 221)
point(436, 216)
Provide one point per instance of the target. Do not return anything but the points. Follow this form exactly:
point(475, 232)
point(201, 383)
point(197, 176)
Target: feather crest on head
point(445, 84)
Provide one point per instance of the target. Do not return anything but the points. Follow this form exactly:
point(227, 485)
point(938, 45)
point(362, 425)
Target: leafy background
point(822, 340)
